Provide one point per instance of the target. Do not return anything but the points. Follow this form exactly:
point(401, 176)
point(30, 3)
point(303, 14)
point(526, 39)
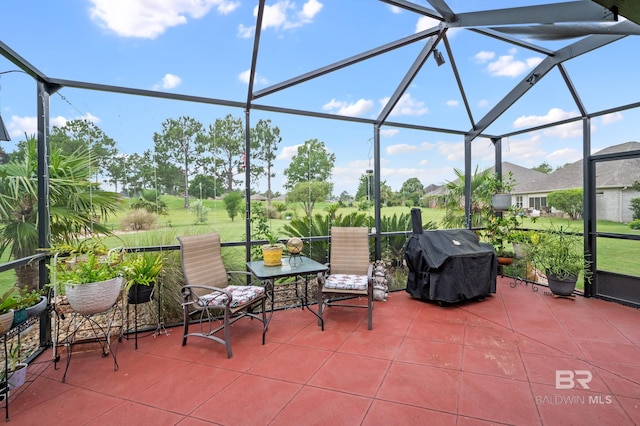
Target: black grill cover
point(449, 265)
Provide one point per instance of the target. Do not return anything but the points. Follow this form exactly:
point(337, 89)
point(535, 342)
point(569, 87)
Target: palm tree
point(453, 199)
point(74, 201)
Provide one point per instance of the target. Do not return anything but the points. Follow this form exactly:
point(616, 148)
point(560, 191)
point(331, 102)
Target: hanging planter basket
point(92, 298)
point(501, 202)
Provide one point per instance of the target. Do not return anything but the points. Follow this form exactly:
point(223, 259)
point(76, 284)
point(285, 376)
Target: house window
point(538, 203)
point(519, 201)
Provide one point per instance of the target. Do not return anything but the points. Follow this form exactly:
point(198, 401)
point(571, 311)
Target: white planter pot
point(92, 298)
point(38, 308)
point(501, 202)
point(19, 376)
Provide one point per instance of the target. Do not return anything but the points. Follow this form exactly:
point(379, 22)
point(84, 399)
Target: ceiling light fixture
point(437, 55)
point(4, 134)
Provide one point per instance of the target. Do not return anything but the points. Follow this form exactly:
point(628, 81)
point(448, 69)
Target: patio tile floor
point(487, 362)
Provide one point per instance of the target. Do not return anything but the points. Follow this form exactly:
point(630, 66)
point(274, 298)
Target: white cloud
point(482, 103)
point(288, 152)
point(564, 131)
point(274, 15)
point(401, 148)
point(244, 77)
point(283, 15)
point(395, 9)
point(523, 150)
point(245, 32)
point(406, 106)
point(484, 56)
point(424, 23)
point(89, 117)
point(151, 18)
point(309, 10)
point(554, 114)
point(452, 103)
point(169, 81)
point(567, 131)
point(19, 126)
point(357, 109)
point(611, 118)
point(58, 121)
point(387, 133)
point(507, 65)
point(563, 156)
point(454, 151)
point(426, 146)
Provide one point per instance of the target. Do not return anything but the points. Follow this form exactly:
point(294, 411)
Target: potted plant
point(8, 302)
point(91, 281)
point(561, 256)
point(141, 272)
point(497, 232)
point(501, 191)
point(16, 373)
point(272, 252)
point(521, 240)
point(26, 302)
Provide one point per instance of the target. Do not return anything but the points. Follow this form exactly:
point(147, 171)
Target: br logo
point(566, 379)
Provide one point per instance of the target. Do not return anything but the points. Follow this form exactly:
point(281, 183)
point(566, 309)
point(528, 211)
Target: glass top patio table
point(291, 266)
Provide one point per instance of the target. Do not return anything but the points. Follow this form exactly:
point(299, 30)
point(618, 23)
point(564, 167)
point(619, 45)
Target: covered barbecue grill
point(450, 265)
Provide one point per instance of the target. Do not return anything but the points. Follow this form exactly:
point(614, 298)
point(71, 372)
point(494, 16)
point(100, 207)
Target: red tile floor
point(489, 362)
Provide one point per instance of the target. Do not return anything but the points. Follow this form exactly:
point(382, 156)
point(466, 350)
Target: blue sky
point(204, 47)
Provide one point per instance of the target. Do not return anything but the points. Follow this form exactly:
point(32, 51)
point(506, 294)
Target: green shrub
point(635, 207)
point(635, 224)
point(199, 211)
point(139, 220)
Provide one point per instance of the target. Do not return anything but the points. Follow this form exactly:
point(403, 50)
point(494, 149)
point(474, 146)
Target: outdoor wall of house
point(613, 204)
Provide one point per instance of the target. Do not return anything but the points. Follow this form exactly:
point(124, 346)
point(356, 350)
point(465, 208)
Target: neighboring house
point(258, 197)
point(614, 181)
point(432, 192)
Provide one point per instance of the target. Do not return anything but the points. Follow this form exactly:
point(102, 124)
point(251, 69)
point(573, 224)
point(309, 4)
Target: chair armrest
point(370, 273)
point(191, 297)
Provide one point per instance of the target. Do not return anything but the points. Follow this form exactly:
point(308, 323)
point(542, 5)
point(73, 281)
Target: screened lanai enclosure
point(392, 89)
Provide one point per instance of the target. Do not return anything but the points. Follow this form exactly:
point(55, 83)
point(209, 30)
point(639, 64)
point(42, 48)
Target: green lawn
point(613, 255)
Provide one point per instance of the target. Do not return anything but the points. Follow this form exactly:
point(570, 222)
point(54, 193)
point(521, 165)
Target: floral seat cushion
point(347, 282)
point(240, 295)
